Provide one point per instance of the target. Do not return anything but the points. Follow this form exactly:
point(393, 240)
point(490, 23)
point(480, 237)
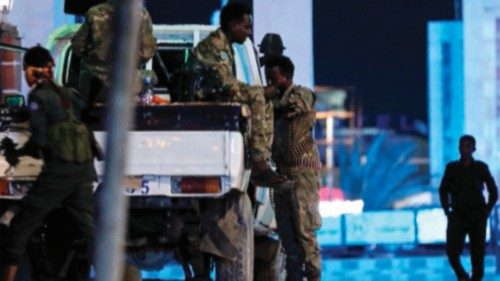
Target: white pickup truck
point(187, 172)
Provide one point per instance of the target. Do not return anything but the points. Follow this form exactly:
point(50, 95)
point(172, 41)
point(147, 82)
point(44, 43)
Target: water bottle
point(147, 94)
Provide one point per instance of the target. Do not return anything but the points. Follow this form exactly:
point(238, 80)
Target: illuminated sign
point(431, 224)
point(386, 227)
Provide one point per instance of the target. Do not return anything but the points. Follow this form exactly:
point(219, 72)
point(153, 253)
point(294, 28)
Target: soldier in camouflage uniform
point(296, 157)
point(62, 182)
point(216, 52)
point(92, 44)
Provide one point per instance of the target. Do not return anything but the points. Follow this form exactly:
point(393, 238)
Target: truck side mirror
point(12, 110)
point(14, 101)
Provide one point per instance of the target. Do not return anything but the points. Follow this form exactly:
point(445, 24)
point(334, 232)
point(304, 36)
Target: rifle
point(9, 151)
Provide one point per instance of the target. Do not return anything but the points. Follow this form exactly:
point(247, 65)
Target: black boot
point(294, 270)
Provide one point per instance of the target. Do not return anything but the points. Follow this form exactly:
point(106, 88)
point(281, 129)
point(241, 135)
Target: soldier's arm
point(444, 190)
point(147, 47)
point(491, 187)
point(80, 40)
point(300, 101)
point(220, 63)
point(38, 126)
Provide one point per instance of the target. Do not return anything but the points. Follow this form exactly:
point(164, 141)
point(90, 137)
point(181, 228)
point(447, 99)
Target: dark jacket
point(46, 107)
point(462, 187)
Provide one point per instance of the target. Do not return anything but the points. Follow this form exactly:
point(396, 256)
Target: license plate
point(138, 185)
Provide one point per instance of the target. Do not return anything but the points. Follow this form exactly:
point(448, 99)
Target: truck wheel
point(150, 259)
point(240, 269)
point(270, 265)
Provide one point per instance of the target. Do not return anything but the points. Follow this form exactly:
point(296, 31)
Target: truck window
point(172, 57)
point(71, 69)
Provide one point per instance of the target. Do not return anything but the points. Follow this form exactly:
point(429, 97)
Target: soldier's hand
point(12, 157)
point(10, 153)
point(270, 92)
point(286, 185)
point(7, 144)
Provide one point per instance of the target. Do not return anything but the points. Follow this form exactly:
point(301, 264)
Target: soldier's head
point(466, 146)
point(236, 22)
point(279, 72)
point(37, 65)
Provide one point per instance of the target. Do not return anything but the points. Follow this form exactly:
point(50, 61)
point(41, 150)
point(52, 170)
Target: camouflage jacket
point(294, 121)
point(216, 52)
point(92, 42)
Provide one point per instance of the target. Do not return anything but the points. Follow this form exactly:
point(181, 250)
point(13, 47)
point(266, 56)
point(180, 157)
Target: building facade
point(445, 93)
point(464, 85)
point(481, 19)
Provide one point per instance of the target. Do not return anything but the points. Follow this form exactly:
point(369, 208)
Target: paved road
point(372, 269)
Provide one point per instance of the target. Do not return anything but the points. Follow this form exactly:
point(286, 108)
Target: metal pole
point(110, 239)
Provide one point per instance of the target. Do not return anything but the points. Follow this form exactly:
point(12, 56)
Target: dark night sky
point(377, 46)
point(184, 11)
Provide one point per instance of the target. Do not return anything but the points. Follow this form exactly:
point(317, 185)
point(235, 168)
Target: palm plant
point(383, 174)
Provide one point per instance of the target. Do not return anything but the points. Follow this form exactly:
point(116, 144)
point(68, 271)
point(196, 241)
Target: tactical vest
point(70, 139)
point(294, 144)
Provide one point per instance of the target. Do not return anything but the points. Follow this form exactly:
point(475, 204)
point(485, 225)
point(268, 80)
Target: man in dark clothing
point(67, 175)
point(461, 194)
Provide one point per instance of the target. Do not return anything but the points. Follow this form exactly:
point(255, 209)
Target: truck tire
point(270, 269)
point(150, 259)
point(240, 269)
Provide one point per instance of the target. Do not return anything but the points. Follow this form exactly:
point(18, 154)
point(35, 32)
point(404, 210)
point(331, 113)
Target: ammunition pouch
point(71, 140)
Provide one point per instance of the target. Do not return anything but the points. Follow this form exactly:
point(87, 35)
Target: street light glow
point(6, 6)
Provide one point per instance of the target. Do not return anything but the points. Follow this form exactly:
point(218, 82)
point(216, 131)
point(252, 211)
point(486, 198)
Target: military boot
point(294, 270)
point(263, 175)
point(465, 277)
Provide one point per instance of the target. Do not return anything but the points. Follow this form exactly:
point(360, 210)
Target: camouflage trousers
point(95, 85)
point(262, 120)
point(298, 218)
point(92, 87)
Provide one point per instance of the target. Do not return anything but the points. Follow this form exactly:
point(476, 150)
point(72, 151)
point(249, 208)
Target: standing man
point(64, 145)
point(461, 195)
point(296, 157)
point(216, 53)
point(92, 44)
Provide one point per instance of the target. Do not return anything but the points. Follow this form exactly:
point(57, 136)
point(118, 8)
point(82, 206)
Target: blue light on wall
point(445, 93)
